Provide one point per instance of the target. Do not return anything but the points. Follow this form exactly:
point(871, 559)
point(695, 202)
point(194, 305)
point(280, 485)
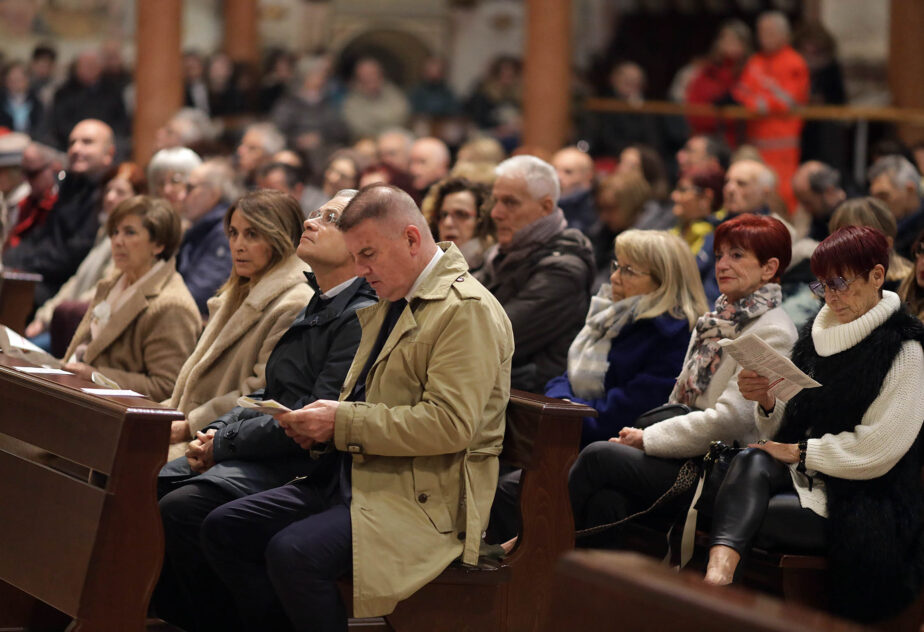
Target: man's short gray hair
point(270, 137)
point(195, 126)
point(823, 178)
point(541, 178)
point(218, 174)
point(899, 169)
point(178, 159)
point(766, 177)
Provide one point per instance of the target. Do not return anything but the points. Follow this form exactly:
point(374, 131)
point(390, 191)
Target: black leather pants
point(757, 504)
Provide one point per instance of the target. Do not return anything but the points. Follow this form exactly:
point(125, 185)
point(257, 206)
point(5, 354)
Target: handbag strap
point(686, 477)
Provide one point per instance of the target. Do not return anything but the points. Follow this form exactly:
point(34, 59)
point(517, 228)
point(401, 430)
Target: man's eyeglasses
point(626, 270)
point(837, 284)
point(326, 216)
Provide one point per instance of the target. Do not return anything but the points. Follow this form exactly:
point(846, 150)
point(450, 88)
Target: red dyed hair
point(710, 178)
point(849, 251)
point(767, 237)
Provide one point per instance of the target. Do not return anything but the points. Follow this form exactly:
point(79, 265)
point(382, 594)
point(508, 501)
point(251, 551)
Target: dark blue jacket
point(204, 260)
point(645, 360)
point(252, 453)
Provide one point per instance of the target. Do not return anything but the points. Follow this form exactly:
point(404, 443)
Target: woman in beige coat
point(266, 291)
point(143, 323)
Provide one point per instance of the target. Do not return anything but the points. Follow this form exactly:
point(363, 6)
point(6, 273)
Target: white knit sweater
point(888, 427)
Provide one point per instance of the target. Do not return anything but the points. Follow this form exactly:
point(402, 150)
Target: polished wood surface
point(17, 296)
point(81, 530)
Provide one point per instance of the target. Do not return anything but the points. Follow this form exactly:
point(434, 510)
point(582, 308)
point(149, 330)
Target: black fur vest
point(874, 527)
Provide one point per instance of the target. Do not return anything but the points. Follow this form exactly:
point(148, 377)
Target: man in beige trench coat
point(419, 425)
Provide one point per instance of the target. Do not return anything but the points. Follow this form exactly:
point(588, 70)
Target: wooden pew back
point(81, 531)
point(17, 296)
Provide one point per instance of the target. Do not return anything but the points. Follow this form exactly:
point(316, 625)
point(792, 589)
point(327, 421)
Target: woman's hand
point(632, 437)
point(755, 387)
point(79, 368)
point(35, 328)
point(782, 452)
point(179, 431)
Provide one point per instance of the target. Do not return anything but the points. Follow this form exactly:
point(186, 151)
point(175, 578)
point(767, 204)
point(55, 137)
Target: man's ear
point(547, 205)
point(412, 234)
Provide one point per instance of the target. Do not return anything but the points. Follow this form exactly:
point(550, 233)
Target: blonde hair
point(872, 212)
point(672, 266)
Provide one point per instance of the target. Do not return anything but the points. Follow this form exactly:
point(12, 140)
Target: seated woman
point(77, 292)
point(614, 479)
point(168, 174)
point(461, 214)
point(143, 323)
point(843, 470)
point(696, 197)
point(872, 212)
point(626, 358)
point(912, 288)
point(265, 292)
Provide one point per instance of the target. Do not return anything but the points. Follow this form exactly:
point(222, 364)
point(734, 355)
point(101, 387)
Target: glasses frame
point(326, 216)
point(820, 287)
point(625, 269)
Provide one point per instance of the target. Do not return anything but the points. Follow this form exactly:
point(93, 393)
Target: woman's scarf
point(588, 358)
point(726, 321)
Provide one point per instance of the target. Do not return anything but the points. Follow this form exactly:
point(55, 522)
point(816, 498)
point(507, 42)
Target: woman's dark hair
point(711, 178)
point(484, 225)
point(132, 173)
point(850, 250)
point(653, 169)
point(767, 237)
point(157, 217)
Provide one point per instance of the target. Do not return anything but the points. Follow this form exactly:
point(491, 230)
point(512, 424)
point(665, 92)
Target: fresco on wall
point(62, 18)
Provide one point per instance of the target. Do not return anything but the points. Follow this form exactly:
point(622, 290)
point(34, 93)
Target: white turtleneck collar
point(831, 337)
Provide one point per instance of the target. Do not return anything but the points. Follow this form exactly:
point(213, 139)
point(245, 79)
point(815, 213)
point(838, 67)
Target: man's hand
point(312, 424)
point(200, 452)
point(79, 368)
point(632, 437)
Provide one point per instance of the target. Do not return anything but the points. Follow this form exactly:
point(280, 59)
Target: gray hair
point(406, 134)
point(49, 154)
point(270, 137)
point(178, 159)
point(195, 126)
point(900, 171)
point(218, 174)
point(823, 178)
point(541, 178)
point(766, 176)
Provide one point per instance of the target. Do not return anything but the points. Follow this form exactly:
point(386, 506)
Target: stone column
point(241, 41)
point(158, 71)
point(547, 74)
point(906, 60)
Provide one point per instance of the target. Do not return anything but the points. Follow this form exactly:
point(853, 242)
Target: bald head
point(384, 203)
point(773, 31)
point(429, 162)
point(575, 170)
point(748, 185)
point(90, 148)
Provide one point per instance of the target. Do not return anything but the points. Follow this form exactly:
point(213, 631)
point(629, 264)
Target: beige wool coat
point(230, 359)
point(148, 338)
point(426, 441)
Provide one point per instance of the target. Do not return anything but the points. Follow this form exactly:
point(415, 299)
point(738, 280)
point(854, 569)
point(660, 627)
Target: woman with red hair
point(617, 478)
point(842, 472)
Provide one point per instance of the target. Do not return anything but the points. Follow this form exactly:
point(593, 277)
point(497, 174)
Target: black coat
point(74, 102)
point(56, 248)
point(311, 360)
point(875, 527)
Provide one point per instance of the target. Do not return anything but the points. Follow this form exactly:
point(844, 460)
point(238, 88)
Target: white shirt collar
point(337, 289)
point(424, 274)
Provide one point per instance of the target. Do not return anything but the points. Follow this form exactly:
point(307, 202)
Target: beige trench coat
point(148, 339)
point(230, 359)
point(425, 444)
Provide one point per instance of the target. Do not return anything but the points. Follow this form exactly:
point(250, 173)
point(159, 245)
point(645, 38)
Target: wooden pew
point(17, 296)
point(542, 438)
point(80, 530)
point(596, 589)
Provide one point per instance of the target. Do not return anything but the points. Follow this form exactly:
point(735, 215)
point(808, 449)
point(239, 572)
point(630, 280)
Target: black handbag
point(715, 466)
point(665, 411)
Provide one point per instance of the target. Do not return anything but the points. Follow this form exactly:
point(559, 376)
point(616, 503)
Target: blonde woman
point(626, 358)
point(869, 211)
point(264, 294)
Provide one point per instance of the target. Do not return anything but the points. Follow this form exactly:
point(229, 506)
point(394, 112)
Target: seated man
point(418, 430)
point(245, 452)
point(540, 270)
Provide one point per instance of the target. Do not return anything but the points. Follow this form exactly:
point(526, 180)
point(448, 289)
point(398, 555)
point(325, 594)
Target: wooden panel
point(17, 295)
point(49, 522)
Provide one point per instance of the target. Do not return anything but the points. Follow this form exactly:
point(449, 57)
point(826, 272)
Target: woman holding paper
point(265, 292)
point(842, 472)
point(616, 478)
point(142, 323)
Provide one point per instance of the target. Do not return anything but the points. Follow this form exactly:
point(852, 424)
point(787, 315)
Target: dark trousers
point(610, 481)
point(189, 594)
point(280, 553)
point(758, 504)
